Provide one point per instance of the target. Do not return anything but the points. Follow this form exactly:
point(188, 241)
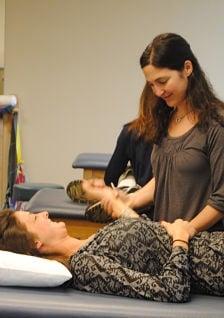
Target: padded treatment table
point(25, 191)
point(62, 302)
point(57, 203)
point(93, 164)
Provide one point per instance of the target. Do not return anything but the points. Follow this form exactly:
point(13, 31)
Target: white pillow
point(24, 270)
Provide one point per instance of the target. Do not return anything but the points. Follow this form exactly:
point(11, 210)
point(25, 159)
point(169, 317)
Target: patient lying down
point(131, 257)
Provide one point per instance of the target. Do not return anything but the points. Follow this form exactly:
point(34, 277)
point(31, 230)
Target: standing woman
point(187, 126)
point(134, 146)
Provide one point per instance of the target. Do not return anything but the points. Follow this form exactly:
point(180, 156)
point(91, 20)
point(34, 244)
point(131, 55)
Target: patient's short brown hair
point(14, 236)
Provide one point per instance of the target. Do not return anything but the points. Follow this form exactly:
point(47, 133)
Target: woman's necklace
point(179, 118)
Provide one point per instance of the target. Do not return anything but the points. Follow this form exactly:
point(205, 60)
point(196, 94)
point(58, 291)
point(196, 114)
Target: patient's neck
point(63, 247)
point(71, 245)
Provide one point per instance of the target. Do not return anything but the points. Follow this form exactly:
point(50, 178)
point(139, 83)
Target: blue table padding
point(57, 203)
point(97, 161)
point(60, 302)
point(25, 191)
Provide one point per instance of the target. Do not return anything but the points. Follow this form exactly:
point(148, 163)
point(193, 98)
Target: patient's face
point(41, 226)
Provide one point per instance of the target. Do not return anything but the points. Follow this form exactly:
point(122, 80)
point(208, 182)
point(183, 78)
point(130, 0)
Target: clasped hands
point(180, 231)
point(96, 189)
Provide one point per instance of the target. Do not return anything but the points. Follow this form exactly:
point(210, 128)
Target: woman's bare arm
point(206, 218)
point(143, 196)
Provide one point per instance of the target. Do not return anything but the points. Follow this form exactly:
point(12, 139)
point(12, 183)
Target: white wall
point(2, 31)
point(74, 66)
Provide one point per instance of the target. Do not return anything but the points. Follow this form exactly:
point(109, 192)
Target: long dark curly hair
point(170, 50)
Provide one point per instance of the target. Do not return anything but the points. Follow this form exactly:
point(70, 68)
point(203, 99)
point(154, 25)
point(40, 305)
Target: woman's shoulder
point(217, 124)
point(127, 128)
point(127, 133)
point(215, 133)
point(219, 120)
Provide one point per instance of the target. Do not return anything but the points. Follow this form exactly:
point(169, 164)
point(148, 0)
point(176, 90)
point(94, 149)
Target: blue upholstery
point(25, 191)
point(57, 203)
point(97, 161)
point(60, 302)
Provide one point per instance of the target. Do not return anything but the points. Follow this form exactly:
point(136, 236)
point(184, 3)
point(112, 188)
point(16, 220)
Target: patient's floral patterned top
point(134, 258)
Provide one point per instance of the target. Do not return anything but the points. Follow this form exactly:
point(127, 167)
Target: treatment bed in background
point(16, 302)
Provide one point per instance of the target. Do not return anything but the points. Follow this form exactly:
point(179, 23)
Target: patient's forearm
point(120, 210)
point(129, 213)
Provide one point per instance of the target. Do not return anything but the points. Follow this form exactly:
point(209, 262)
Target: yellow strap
point(18, 146)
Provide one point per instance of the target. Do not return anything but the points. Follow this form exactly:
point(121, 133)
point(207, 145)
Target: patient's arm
point(102, 274)
point(118, 208)
point(111, 199)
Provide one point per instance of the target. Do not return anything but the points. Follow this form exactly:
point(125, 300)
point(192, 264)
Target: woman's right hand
point(179, 229)
point(115, 207)
point(95, 189)
point(108, 199)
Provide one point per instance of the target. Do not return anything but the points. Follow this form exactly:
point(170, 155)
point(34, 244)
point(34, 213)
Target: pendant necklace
point(179, 118)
